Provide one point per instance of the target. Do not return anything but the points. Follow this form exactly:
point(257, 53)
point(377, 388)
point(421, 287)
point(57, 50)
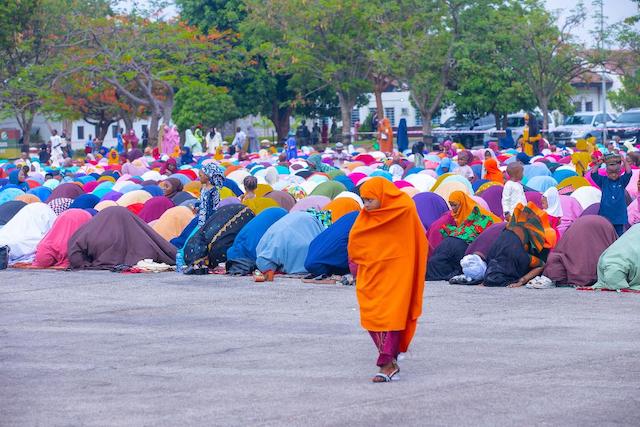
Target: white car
point(580, 126)
point(515, 122)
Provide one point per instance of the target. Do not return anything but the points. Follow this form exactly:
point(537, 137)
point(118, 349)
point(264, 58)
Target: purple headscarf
point(154, 208)
point(493, 197)
point(430, 207)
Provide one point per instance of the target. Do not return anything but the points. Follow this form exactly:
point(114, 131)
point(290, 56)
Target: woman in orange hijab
point(385, 136)
point(492, 173)
point(388, 244)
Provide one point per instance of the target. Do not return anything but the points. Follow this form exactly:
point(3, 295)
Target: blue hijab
point(231, 185)
point(328, 251)
point(85, 201)
point(403, 136)
point(244, 246)
point(41, 193)
point(507, 142)
point(187, 157)
point(444, 163)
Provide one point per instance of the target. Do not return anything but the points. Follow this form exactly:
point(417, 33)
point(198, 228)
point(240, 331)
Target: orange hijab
point(385, 128)
point(390, 248)
point(492, 173)
point(340, 207)
point(466, 206)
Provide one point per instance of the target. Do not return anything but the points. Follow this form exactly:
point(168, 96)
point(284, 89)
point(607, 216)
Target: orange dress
point(385, 136)
point(390, 248)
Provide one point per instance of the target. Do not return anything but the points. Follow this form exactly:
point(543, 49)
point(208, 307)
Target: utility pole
point(604, 70)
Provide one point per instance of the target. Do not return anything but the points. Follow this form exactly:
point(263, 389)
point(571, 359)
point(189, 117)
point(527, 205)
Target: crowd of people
point(389, 219)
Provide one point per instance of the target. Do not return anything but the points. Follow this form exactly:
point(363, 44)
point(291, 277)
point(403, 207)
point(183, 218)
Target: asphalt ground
point(102, 349)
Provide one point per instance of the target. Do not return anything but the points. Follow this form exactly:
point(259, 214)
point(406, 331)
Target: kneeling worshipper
point(619, 265)
point(283, 248)
point(328, 251)
point(574, 260)
point(116, 236)
point(241, 256)
point(8, 210)
point(388, 244)
point(516, 256)
point(51, 252)
point(171, 224)
point(25, 230)
point(470, 220)
point(208, 246)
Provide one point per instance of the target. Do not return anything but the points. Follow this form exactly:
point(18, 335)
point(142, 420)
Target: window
point(404, 112)
point(355, 116)
point(80, 133)
point(114, 131)
point(418, 118)
point(578, 106)
point(145, 129)
point(391, 115)
point(588, 106)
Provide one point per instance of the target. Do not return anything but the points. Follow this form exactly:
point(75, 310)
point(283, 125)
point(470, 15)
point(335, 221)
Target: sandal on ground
point(387, 378)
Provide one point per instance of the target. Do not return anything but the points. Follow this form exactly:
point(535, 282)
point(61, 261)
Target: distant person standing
point(291, 146)
point(24, 148)
point(239, 140)
point(324, 133)
point(253, 140)
point(44, 155)
point(315, 134)
point(145, 138)
point(385, 136)
point(120, 140)
point(89, 146)
point(57, 156)
point(302, 134)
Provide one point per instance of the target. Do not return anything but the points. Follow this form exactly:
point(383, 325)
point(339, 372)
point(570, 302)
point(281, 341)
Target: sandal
point(387, 378)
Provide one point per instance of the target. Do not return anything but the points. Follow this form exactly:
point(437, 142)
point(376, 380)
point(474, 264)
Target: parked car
point(626, 125)
point(515, 122)
point(581, 126)
point(455, 128)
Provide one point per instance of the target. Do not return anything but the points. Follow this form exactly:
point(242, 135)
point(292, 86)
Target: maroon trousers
point(387, 343)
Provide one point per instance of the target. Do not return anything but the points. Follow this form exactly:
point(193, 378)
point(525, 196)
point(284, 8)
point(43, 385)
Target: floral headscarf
point(210, 198)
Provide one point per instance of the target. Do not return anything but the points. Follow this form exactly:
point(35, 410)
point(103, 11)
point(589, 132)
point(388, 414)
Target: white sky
point(614, 12)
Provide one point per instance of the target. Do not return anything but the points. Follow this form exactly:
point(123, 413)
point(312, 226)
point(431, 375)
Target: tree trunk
point(427, 137)
point(128, 121)
point(346, 106)
point(280, 119)
point(378, 88)
point(544, 106)
point(498, 118)
point(153, 131)
point(25, 121)
point(103, 129)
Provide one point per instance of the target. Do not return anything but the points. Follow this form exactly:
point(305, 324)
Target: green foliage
point(629, 95)
point(214, 15)
point(200, 103)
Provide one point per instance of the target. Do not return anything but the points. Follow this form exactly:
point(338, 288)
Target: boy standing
point(612, 204)
point(513, 192)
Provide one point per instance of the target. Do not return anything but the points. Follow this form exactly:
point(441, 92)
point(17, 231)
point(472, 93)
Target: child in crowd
point(464, 157)
point(513, 193)
point(612, 204)
point(250, 185)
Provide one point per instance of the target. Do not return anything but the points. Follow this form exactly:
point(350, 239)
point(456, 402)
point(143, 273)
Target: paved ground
point(98, 348)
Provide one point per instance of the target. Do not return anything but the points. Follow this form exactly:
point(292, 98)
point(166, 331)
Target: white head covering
point(587, 196)
point(553, 200)
point(350, 195)
point(25, 230)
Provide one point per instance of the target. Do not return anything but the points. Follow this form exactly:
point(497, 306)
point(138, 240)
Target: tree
point(202, 103)
point(481, 83)
point(32, 35)
point(326, 41)
point(628, 96)
point(547, 58)
point(153, 57)
point(426, 33)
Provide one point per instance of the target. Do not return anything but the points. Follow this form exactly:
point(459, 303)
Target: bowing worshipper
point(284, 246)
point(51, 252)
point(116, 236)
point(172, 222)
point(387, 243)
point(470, 220)
point(328, 251)
point(25, 230)
point(154, 208)
point(516, 256)
point(574, 260)
point(317, 165)
point(207, 247)
point(282, 198)
point(341, 206)
point(430, 207)
point(212, 179)
point(241, 256)
point(385, 136)
point(613, 204)
point(619, 264)
point(513, 192)
point(8, 210)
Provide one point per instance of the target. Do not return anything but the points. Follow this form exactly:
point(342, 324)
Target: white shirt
point(512, 194)
point(465, 171)
point(213, 142)
point(239, 139)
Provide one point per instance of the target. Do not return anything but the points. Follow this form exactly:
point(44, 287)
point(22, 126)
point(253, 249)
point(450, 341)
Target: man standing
point(238, 141)
point(57, 157)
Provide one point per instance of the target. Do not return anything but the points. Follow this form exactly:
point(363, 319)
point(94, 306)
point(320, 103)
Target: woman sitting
point(470, 220)
point(619, 265)
point(516, 256)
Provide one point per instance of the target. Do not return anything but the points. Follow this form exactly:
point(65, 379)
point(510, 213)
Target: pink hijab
point(571, 209)
point(52, 249)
